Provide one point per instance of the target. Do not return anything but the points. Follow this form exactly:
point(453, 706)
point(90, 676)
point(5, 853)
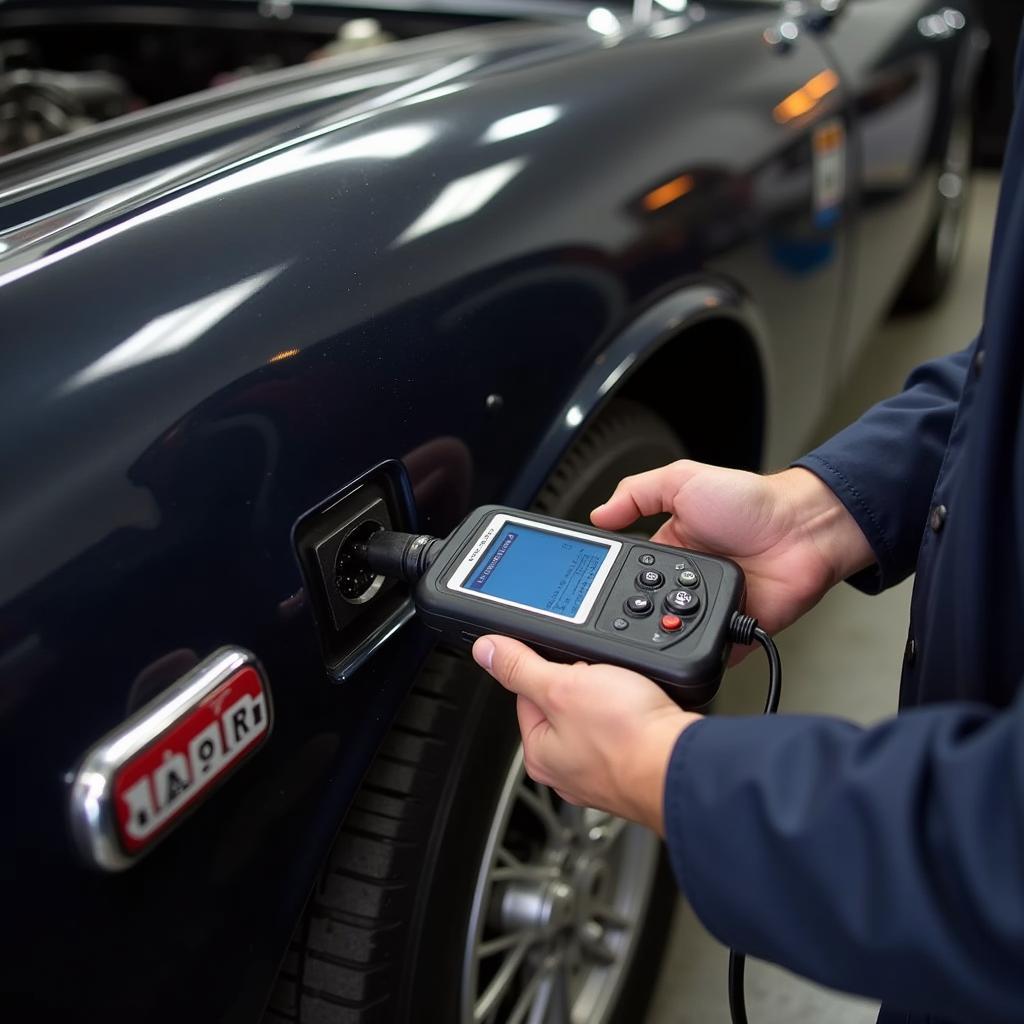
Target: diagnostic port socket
point(355, 581)
point(351, 604)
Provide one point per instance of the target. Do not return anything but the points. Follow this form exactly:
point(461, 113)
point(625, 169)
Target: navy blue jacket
point(889, 861)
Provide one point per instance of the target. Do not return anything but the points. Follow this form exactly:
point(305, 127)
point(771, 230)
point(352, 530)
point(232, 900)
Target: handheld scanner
point(574, 593)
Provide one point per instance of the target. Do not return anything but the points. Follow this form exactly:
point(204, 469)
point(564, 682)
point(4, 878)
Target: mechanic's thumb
point(517, 667)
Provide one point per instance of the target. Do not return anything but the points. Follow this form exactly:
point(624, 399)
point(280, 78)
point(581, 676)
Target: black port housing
point(352, 606)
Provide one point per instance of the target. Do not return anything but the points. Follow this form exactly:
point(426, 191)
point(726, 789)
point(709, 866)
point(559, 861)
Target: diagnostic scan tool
point(574, 593)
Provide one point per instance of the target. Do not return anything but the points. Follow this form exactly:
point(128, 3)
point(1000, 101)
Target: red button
point(670, 623)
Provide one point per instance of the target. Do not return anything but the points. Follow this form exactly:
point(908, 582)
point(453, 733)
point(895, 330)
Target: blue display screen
point(543, 570)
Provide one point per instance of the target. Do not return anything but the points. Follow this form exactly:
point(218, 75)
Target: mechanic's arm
point(884, 467)
point(884, 861)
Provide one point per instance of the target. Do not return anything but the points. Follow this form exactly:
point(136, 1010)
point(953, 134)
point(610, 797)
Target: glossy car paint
point(450, 252)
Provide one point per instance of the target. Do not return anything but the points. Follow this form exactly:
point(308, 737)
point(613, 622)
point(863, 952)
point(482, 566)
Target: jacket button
point(937, 518)
point(979, 361)
point(910, 655)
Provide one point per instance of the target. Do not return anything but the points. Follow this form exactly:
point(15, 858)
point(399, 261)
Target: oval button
point(682, 602)
point(638, 606)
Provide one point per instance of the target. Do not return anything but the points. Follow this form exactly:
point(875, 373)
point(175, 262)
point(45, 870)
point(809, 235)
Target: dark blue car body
point(216, 313)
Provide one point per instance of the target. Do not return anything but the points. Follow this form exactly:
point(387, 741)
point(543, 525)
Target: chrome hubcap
point(540, 906)
point(559, 900)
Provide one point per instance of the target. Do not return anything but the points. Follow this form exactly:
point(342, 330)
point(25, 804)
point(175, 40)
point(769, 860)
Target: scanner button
point(650, 579)
point(638, 606)
point(688, 578)
point(646, 559)
point(671, 623)
point(620, 624)
point(683, 602)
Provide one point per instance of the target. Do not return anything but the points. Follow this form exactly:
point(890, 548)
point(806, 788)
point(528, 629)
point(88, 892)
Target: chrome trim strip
point(93, 820)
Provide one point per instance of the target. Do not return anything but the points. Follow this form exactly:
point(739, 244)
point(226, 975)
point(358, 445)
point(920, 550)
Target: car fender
point(665, 323)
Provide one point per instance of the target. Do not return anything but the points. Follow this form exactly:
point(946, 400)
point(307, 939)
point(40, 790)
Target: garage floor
point(843, 658)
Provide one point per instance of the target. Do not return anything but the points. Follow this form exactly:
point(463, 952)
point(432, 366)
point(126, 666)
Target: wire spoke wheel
point(557, 908)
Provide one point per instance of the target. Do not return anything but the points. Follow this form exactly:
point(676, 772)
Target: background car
point(523, 256)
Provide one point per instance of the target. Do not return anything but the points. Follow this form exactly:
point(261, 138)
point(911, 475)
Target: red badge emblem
point(139, 781)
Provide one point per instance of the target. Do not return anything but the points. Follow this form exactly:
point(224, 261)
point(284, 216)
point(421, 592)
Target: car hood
point(52, 192)
point(56, 193)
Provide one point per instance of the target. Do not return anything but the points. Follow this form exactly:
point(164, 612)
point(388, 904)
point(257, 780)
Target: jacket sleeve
point(887, 862)
point(884, 467)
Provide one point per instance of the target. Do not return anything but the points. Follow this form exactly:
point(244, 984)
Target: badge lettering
point(140, 810)
point(155, 787)
point(206, 751)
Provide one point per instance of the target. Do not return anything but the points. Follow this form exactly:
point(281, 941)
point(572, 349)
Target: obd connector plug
point(401, 556)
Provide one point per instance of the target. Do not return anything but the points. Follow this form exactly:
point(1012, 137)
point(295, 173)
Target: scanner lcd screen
point(547, 571)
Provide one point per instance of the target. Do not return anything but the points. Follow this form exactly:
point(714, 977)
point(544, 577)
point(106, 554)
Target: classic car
point(513, 253)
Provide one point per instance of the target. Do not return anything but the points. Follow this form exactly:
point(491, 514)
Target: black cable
point(774, 670)
point(744, 630)
point(737, 1002)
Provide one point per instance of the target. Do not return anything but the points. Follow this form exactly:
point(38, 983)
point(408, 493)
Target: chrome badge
point(142, 778)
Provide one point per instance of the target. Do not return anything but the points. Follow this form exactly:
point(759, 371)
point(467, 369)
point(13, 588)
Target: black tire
point(933, 269)
point(383, 936)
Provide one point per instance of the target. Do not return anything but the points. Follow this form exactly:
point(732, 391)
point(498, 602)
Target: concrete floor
point(842, 658)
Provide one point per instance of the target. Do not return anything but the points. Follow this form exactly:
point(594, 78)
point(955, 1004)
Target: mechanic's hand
point(790, 534)
point(599, 736)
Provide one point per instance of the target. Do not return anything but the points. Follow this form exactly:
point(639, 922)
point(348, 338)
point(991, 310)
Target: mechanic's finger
point(517, 667)
point(645, 494)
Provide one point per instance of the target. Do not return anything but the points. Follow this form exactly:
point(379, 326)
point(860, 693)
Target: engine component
point(36, 105)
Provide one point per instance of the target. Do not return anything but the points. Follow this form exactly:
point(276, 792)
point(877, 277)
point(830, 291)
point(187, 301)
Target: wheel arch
point(724, 422)
point(697, 357)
